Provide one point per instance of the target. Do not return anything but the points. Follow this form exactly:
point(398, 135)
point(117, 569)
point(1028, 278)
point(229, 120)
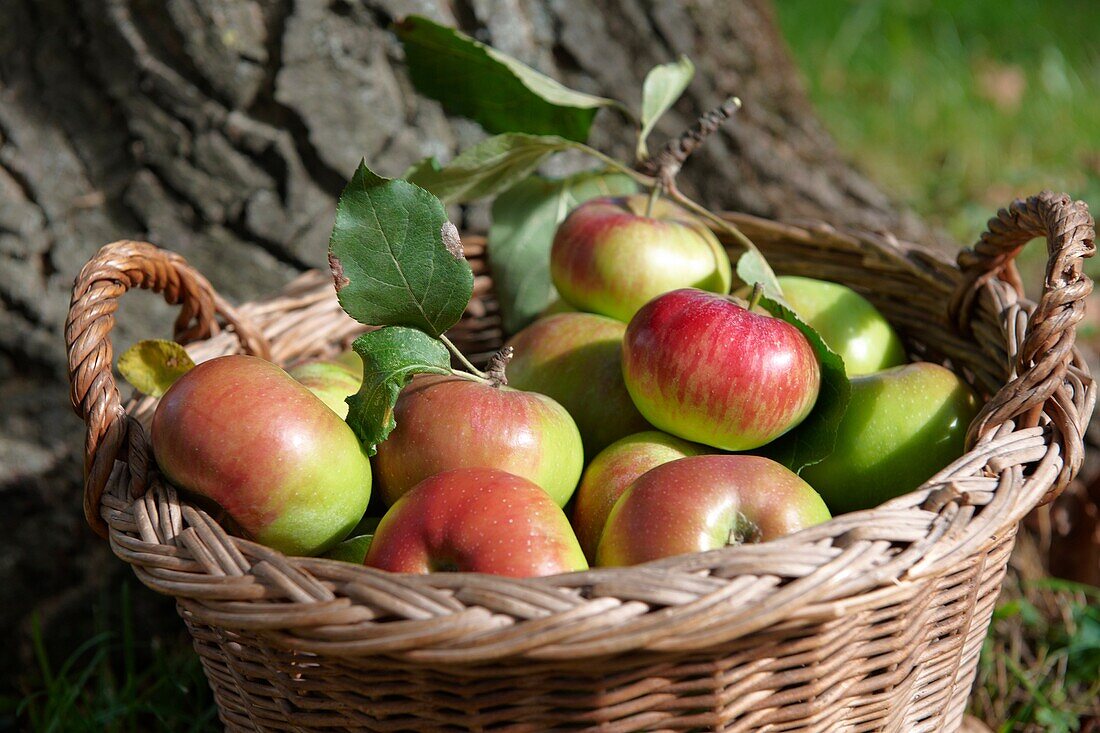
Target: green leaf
point(153, 366)
point(752, 268)
point(395, 258)
point(353, 549)
point(663, 86)
point(524, 221)
point(812, 440)
point(491, 166)
point(391, 356)
point(491, 88)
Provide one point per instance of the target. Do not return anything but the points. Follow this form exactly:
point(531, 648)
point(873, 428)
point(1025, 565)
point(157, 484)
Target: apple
point(902, 425)
point(557, 305)
point(478, 520)
point(241, 432)
point(612, 471)
point(446, 422)
point(702, 368)
point(703, 503)
point(331, 381)
point(350, 361)
point(576, 358)
point(847, 322)
point(609, 257)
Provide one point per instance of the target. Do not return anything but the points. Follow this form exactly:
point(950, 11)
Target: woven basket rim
point(684, 603)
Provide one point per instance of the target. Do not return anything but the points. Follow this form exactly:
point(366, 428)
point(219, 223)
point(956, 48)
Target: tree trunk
point(224, 129)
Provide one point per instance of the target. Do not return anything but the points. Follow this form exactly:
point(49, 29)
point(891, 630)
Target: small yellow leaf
point(153, 365)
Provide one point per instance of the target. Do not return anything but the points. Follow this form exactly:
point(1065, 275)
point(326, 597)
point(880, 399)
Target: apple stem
point(757, 291)
point(667, 163)
point(473, 370)
point(652, 201)
point(497, 366)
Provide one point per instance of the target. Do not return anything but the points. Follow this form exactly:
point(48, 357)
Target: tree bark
point(225, 129)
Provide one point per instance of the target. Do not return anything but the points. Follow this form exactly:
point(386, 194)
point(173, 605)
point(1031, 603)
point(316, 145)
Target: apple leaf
point(812, 440)
point(491, 166)
point(395, 258)
point(353, 550)
point(524, 221)
point(752, 268)
point(493, 89)
point(391, 356)
point(662, 87)
point(154, 365)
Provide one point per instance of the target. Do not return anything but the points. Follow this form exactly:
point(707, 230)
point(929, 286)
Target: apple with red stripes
point(705, 369)
point(704, 503)
point(478, 520)
point(612, 255)
point(241, 432)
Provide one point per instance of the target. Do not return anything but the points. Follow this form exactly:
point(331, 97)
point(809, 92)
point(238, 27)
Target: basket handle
point(116, 268)
point(1047, 349)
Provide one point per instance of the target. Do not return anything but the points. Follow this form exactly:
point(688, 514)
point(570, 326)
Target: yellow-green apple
point(847, 322)
point(701, 367)
point(351, 361)
point(446, 422)
point(703, 503)
point(331, 381)
point(577, 359)
point(902, 425)
point(557, 305)
point(609, 257)
point(241, 432)
point(612, 471)
point(478, 520)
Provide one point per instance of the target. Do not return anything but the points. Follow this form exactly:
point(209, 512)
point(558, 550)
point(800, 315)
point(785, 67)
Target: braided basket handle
point(1047, 349)
point(116, 268)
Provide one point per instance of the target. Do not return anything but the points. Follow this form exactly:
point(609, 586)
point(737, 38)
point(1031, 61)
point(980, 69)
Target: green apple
point(331, 381)
point(576, 358)
point(848, 323)
point(612, 471)
point(902, 425)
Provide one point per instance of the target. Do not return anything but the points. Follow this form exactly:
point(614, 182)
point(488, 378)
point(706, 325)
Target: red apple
point(577, 359)
point(450, 422)
point(706, 502)
point(610, 258)
point(612, 471)
point(240, 431)
point(476, 520)
point(703, 368)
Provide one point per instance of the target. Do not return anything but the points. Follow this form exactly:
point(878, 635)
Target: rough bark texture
point(224, 129)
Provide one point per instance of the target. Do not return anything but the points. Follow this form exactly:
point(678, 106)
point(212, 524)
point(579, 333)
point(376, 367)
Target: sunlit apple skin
point(848, 323)
point(477, 520)
point(609, 258)
point(902, 425)
point(241, 432)
point(612, 471)
point(331, 381)
point(449, 422)
point(576, 358)
point(705, 369)
point(706, 502)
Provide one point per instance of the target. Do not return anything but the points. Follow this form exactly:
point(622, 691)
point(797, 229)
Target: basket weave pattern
point(872, 621)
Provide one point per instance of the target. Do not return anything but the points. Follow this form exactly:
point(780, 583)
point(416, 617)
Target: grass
point(957, 107)
point(112, 683)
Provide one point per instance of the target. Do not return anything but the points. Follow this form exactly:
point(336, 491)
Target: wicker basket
point(873, 621)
